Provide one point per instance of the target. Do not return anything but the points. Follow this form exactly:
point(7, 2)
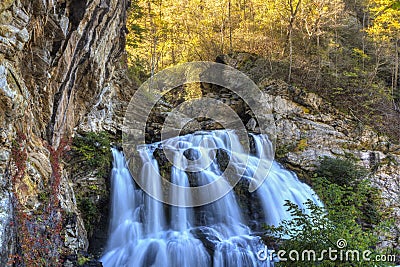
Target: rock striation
point(62, 67)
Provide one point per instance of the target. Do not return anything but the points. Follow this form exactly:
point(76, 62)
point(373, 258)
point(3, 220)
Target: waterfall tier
point(146, 232)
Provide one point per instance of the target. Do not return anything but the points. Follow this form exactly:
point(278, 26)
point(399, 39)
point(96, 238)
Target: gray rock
point(23, 35)
point(57, 85)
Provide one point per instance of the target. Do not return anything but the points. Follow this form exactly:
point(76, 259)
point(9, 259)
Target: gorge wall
point(61, 71)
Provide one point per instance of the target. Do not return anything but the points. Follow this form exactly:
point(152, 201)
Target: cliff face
point(61, 67)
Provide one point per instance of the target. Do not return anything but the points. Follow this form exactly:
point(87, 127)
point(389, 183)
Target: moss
point(82, 260)
point(282, 150)
point(93, 187)
point(302, 144)
point(43, 197)
point(305, 110)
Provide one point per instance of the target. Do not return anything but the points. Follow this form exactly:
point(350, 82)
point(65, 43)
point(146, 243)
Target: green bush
point(90, 213)
point(341, 171)
point(320, 230)
point(353, 211)
point(340, 183)
point(82, 260)
point(362, 201)
point(93, 149)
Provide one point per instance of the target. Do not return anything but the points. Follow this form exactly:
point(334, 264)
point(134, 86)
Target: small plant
point(305, 109)
point(282, 150)
point(89, 212)
point(82, 260)
point(302, 144)
point(43, 197)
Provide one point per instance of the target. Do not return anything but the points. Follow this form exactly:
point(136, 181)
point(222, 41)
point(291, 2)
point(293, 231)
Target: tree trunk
point(395, 82)
point(230, 26)
point(289, 41)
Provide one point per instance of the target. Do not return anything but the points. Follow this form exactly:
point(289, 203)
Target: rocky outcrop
point(61, 69)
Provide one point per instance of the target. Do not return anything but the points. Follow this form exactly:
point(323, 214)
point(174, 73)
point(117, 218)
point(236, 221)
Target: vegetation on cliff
point(91, 158)
point(38, 230)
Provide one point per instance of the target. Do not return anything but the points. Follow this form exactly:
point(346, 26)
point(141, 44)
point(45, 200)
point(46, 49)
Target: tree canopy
point(345, 50)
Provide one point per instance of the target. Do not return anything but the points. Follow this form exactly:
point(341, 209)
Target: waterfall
point(145, 232)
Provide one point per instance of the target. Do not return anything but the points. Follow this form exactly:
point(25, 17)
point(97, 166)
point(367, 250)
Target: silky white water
point(145, 232)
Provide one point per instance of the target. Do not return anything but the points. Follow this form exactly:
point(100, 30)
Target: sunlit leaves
point(386, 20)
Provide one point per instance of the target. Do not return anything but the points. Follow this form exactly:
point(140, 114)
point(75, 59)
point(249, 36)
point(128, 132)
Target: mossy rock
point(90, 165)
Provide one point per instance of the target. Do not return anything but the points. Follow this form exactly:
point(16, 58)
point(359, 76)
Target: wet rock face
point(61, 69)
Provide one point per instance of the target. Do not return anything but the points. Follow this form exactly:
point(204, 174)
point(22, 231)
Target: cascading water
point(145, 232)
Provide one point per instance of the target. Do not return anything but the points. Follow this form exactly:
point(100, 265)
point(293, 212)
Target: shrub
point(341, 171)
point(90, 213)
point(353, 211)
point(319, 230)
point(93, 150)
point(340, 183)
